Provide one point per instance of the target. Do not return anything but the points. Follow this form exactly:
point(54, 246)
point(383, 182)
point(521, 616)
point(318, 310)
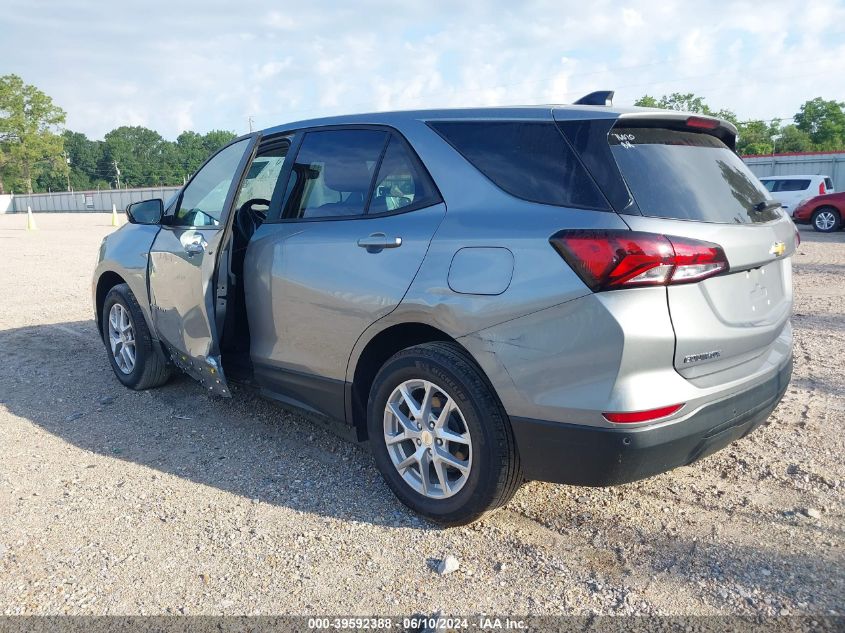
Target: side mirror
point(146, 211)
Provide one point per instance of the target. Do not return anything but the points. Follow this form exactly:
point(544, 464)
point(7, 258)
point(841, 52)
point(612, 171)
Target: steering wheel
point(401, 201)
point(248, 218)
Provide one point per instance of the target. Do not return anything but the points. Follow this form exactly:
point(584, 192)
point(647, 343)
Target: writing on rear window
point(625, 140)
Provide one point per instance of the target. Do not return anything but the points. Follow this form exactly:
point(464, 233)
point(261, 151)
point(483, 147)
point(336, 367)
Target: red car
point(825, 212)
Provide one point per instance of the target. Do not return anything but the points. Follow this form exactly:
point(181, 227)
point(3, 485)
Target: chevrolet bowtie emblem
point(778, 249)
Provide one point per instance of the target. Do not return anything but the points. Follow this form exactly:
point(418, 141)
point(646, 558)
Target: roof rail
point(599, 97)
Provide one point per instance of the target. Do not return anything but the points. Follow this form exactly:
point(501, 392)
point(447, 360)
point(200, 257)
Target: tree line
point(38, 154)
point(818, 126)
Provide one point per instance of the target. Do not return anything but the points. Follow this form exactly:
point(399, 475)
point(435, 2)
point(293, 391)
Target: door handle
point(379, 241)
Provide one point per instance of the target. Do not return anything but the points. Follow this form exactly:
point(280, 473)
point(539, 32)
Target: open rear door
point(183, 265)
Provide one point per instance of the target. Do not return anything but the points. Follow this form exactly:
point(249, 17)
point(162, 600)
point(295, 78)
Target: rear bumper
point(600, 456)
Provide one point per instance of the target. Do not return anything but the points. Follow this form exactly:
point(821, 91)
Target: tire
point(491, 468)
point(826, 220)
point(149, 368)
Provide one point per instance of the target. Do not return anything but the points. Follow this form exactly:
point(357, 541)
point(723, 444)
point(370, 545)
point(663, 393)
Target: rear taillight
point(611, 259)
point(821, 188)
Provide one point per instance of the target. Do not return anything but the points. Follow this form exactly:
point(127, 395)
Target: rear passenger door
point(358, 214)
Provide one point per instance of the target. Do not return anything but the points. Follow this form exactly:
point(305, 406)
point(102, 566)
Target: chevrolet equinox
point(580, 294)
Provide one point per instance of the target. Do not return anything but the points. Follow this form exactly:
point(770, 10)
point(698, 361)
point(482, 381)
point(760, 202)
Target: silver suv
point(582, 294)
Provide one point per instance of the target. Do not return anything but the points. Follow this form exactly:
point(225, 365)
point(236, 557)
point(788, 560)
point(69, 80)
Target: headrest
point(346, 174)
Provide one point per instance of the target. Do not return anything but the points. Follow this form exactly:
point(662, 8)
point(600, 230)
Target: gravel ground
point(160, 502)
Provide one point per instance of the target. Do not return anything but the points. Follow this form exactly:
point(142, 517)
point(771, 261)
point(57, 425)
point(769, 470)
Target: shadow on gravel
point(58, 377)
point(758, 576)
point(815, 383)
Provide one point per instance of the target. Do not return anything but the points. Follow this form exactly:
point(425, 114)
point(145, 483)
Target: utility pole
point(250, 119)
point(117, 171)
point(775, 139)
point(67, 158)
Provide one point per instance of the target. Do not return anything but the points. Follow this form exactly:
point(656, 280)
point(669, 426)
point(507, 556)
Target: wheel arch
point(105, 282)
point(833, 208)
point(374, 354)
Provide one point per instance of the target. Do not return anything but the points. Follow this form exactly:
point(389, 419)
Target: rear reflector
point(629, 417)
point(702, 124)
point(612, 259)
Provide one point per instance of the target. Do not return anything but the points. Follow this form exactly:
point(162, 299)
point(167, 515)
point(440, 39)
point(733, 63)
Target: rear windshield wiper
point(766, 205)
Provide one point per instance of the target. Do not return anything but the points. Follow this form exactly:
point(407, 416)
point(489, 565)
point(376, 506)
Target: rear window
point(529, 160)
point(828, 184)
point(791, 185)
point(786, 184)
point(688, 176)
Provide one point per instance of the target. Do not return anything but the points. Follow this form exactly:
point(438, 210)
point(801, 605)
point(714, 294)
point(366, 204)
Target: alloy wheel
point(825, 220)
point(122, 338)
point(427, 439)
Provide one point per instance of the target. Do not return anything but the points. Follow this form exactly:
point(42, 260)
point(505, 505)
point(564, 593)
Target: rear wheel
point(826, 220)
point(440, 436)
point(134, 360)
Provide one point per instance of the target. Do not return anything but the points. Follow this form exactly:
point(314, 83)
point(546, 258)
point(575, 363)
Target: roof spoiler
point(599, 98)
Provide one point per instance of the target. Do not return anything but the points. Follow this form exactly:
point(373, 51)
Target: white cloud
point(271, 69)
point(632, 18)
point(211, 65)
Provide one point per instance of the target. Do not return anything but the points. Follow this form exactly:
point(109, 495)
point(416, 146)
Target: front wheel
point(826, 220)
point(439, 435)
point(133, 358)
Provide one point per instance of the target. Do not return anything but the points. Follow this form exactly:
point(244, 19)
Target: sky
point(183, 64)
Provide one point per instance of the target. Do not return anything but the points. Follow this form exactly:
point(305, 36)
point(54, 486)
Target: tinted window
point(769, 184)
point(205, 196)
point(828, 184)
point(401, 182)
point(792, 185)
point(688, 176)
point(528, 160)
point(333, 172)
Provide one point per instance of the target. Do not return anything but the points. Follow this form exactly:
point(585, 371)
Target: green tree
point(824, 122)
point(52, 175)
point(216, 139)
point(29, 142)
point(684, 102)
point(647, 101)
point(192, 149)
point(793, 139)
point(136, 157)
point(757, 137)
point(85, 157)
point(190, 152)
